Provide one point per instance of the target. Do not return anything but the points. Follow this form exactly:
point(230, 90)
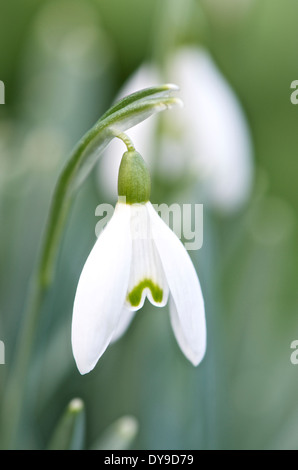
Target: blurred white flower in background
point(208, 139)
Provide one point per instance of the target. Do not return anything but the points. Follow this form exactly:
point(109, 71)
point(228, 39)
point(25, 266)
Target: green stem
point(127, 141)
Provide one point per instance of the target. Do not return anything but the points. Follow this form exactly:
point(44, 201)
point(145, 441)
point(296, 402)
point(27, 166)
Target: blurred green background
point(63, 63)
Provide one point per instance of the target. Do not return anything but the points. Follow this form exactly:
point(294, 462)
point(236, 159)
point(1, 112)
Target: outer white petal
point(215, 128)
point(187, 310)
point(101, 291)
point(142, 134)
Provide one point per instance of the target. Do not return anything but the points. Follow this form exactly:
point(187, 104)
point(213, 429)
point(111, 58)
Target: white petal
point(146, 275)
point(192, 354)
point(124, 321)
point(188, 312)
point(101, 291)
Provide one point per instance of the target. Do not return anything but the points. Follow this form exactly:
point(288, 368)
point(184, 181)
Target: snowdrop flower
point(135, 256)
point(211, 132)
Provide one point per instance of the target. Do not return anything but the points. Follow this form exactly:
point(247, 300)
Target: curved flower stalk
point(210, 131)
point(136, 256)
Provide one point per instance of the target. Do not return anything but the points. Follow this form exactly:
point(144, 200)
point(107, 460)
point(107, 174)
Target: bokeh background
point(63, 63)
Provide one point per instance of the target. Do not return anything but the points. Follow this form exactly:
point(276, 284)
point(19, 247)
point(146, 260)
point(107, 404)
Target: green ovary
point(134, 297)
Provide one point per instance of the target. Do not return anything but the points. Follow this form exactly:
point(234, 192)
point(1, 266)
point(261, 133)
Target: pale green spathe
point(133, 179)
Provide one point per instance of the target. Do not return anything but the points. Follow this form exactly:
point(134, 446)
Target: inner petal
point(147, 287)
point(147, 277)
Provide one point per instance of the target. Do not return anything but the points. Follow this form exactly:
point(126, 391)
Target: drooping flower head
point(136, 256)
